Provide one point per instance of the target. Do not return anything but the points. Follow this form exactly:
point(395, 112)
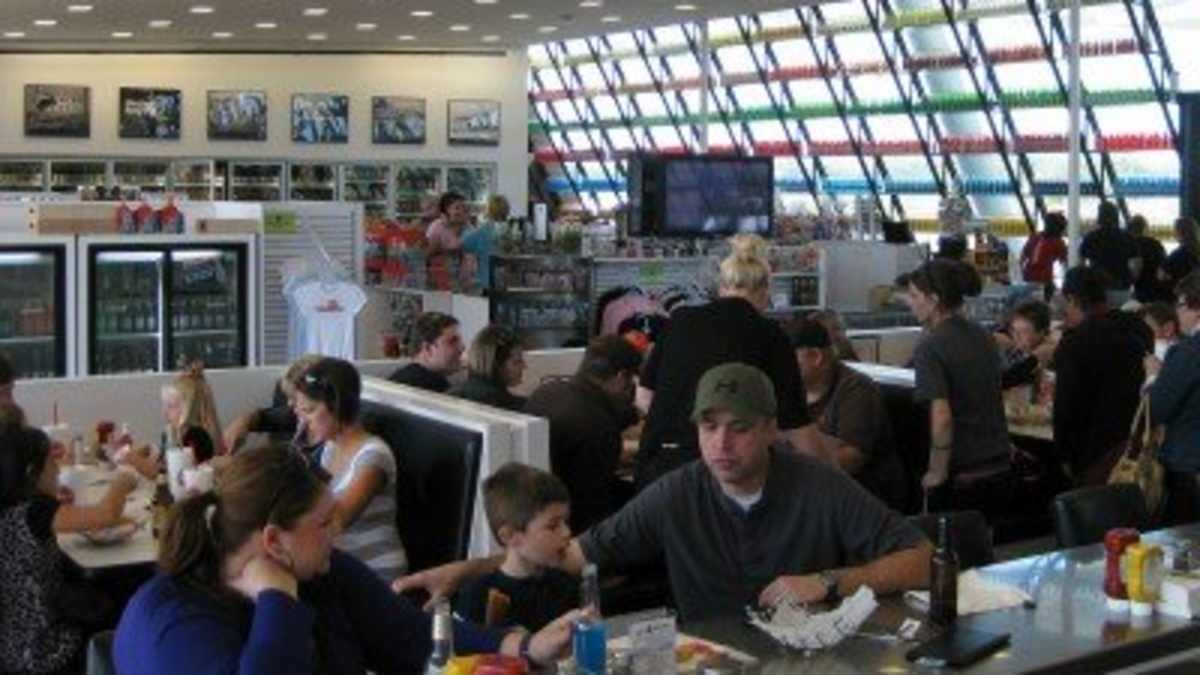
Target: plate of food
point(693, 654)
point(111, 535)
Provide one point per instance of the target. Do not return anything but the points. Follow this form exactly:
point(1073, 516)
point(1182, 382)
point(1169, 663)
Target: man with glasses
point(746, 524)
point(1175, 404)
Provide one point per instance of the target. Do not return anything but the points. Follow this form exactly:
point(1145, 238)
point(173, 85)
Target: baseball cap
point(736, 388)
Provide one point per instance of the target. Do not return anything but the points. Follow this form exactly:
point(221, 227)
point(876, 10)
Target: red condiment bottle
point(1115, 543)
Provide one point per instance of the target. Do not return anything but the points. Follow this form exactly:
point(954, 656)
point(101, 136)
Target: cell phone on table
point(957, 647)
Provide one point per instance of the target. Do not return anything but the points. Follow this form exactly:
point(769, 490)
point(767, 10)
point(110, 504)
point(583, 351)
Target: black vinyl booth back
point(437, 474)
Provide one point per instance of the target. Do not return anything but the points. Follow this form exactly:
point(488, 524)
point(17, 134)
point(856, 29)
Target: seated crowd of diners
point(744, 456)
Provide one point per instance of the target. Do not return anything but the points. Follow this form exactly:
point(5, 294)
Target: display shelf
point(312, 182)
point(22, 176)
point(72, 176)
point(28, 339)
point(261, 182)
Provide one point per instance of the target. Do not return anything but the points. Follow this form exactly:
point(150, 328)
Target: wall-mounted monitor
point(700, 196)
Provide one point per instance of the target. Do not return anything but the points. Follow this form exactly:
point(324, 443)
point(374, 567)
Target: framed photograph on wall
point(237, 115)
point(396, 120)
point(320, 118)
point(150, 113)
point(473, 122)
point(58, 111)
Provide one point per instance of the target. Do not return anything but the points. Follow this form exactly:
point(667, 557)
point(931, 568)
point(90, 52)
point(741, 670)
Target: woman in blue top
point(250, 583)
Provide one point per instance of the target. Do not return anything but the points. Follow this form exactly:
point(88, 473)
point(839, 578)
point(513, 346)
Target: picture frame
point(320, 118)
point(473, 122)
point(150, 113)
point(398, 120)
point(237, 115)
point(58, 111)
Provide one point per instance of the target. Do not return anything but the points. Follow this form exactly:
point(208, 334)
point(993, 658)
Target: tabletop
point(1069, 630)
point(139, 550)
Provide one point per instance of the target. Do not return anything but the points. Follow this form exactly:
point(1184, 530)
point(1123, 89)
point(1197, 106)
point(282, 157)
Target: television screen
point(716, 196)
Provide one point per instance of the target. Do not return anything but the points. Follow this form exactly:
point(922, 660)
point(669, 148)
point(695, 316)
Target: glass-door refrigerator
point(158, 303)
point(37, 300)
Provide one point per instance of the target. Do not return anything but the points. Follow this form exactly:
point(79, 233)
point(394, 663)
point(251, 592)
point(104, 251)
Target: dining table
point(1065, 629)
point(139, 550)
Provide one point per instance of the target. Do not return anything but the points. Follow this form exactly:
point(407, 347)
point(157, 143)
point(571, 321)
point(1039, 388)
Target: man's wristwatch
point(829, 579)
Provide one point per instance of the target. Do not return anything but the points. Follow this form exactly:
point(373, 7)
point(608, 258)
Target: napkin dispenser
point(1180, 595)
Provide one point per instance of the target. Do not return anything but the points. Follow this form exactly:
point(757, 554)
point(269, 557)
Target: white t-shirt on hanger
point(328, 311)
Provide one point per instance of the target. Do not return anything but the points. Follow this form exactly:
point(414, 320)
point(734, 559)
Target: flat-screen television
point(705, 196)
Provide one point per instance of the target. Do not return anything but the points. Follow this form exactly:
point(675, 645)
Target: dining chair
point(1082, 516)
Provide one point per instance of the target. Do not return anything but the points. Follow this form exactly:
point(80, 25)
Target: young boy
point(527, 509)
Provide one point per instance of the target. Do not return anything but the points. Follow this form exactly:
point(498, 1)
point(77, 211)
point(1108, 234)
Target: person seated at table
point(1161, 319)
point(527, 511)
point(1099, 375)
point(188, 402)
point(250, 582)
point(848, 407)
point(958, 375)
point(588, 415)
point(1028, 347)
point(280, 417)
point(437, 349)
point(362, 466)
point(843, 349)
point(747, 524)
point(42, 627)
point(495, 363)
point(1175, 404)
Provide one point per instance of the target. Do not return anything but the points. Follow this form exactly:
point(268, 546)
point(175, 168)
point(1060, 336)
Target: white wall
point(435, 78)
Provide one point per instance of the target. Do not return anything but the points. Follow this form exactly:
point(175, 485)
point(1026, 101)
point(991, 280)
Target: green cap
point(736, 388)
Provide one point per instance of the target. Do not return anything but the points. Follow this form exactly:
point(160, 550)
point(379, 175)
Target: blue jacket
point(346, 623)
point(1175, 402)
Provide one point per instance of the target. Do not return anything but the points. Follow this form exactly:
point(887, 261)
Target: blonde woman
point(495, 364)
point(731, 328)
point(188, 402)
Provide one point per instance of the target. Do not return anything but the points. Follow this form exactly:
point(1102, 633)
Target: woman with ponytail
point(731, 328)
point(958, 373)
point(249, 582)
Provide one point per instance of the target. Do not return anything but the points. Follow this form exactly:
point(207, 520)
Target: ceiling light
point(79, 9)
point(406, 38)
point(547, 29)
point(317, 37)
point(613, 18)
point(316, 11)
point(367, 26)
point(222, 35)
point(460, 28)
point(160, 23)
point(266, 25)
point(491, 38)
point(45, 23)
point(591, 3)
point(520, 16)
point(201, 9)
point(422, 13)
point(485, 2)
point(686, 8)
point(14, 34)
point(122, 34)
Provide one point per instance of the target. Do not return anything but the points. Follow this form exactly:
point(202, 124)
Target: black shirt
point(1099, 375)
point(417, 375)
point(1111, 250)
point(852, 411)
point(811, 517)
point(1147, 287)
point(585, 443)
point(957, 361)
point(533, 602)
point(1179, 264)
point(696, 340)
point(483, 390)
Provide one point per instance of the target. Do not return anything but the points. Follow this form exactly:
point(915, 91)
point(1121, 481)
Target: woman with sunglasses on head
point(495, 363)
point(958, 373)
point(250, 583)
point(362, 466)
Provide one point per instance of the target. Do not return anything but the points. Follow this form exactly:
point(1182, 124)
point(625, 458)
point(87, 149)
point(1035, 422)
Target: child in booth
point(527, 509)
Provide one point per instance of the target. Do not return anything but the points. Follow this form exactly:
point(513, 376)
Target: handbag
point(1138, 462)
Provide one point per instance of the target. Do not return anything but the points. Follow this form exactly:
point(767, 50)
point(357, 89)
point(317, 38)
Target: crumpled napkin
point(795, 627)
point(977, 595)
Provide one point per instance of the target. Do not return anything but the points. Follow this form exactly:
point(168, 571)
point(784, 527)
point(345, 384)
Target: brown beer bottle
point(943, 578)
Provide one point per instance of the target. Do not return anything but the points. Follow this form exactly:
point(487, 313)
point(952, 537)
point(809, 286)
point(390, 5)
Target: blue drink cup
point(589, 642)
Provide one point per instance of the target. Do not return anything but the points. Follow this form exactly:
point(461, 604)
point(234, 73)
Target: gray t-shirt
point(720, 557)
point(958, 361)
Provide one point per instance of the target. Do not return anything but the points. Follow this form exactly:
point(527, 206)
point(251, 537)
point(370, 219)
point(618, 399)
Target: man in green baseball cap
point(747, 524)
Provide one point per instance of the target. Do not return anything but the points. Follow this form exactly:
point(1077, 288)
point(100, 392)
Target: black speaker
point(645, 175)
point(1189, 155)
